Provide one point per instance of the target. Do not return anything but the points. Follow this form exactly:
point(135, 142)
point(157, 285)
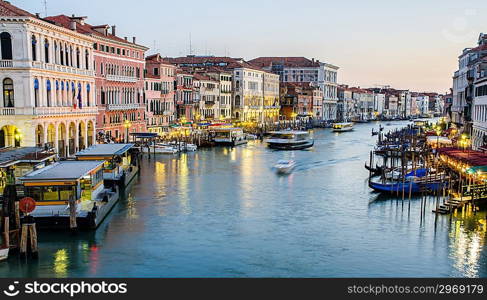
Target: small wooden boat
point(285, 166)
point(3, 253)
point(377, 171)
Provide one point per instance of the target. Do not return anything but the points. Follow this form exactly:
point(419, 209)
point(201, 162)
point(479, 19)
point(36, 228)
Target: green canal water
point(223, 212)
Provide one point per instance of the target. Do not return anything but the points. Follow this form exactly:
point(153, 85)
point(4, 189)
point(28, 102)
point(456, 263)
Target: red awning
point(470, 157)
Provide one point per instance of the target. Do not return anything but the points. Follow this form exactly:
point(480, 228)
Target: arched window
point(88, 88)
point(6, 43)
point(66, 54)
point(46, 50)
point(55, 53)
point(34, 48)
point(36, 92)
point(8, 93)
point(77, 58)
point(61, 55)
point(87, 60)
point(48, 93)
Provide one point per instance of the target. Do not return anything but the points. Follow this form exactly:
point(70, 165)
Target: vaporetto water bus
point(342, 127)
point(290, 140)
point(69, 191)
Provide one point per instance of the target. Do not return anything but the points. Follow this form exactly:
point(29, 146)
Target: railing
point(49, 111)
point(6, 64)
point(7, 111)
point(127, 106)
point(120, 78)
point(60, 68)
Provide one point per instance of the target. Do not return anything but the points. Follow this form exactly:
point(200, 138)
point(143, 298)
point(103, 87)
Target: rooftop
point(9, 156)
point(64, 170)
point(9, 10)
point(105, 150)
point(303, 62)
point(85, 28)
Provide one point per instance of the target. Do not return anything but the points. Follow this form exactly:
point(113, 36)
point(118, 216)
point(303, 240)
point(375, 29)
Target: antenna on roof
point(45, 7)
point(190, 45)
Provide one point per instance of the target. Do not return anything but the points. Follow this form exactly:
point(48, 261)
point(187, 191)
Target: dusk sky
point(406, 44)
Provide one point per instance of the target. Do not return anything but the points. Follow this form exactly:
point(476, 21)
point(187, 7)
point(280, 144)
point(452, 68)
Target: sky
point(411, 44)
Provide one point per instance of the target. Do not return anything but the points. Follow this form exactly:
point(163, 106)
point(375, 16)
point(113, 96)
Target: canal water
point(224, 212)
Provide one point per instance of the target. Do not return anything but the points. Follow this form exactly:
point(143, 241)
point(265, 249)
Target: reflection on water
point(61, 262)
point(467, 241)
point(224, 212)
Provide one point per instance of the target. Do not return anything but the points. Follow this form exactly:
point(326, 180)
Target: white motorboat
point(191, 147)
point(342, 127)
point(161, 148)
point(3, 254)
point(285, 166)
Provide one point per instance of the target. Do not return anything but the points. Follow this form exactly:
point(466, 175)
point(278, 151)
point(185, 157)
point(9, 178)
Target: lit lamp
point(127, 125)
point(18, 137)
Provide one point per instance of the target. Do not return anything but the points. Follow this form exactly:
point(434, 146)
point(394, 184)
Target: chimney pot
point(133, 39)
point(38, 15)
point(114, 28)
point(126, 38)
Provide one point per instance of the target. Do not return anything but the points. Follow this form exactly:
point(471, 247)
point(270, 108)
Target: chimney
point(126, 38)
point(313, 60)
point(133, 39)
point(38, 15)
point(72, 23)
point(114, 30)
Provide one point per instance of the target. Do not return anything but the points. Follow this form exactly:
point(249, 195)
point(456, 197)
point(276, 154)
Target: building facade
point(48, 81)
point(119, 71)
point(159, 94)
point(301, 69)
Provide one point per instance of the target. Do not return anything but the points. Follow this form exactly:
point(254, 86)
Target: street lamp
point(127, 125)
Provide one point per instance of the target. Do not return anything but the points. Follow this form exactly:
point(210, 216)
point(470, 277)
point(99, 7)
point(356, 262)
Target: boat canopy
point(104, 150)
point(64, 171)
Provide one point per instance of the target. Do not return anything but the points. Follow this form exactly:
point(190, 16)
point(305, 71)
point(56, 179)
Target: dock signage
point(27, 205)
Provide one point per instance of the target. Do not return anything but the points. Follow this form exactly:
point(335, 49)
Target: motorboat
point(4, 253)
point(342, 127)
point(290, 140)
point(285, 166)
point(161, 148)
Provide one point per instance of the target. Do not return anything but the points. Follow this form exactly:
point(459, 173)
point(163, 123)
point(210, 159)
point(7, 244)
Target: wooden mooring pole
point(28, 238)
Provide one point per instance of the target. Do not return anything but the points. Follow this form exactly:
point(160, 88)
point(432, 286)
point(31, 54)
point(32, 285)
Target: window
point(88, 88)
point(8, 93)
point(77, 58)
point(87, 60)
point(6, 44)
point(95, 46)
point(36, 92)
point(34, 48)
point(46, 51)
point(48, 92)
point(156, 71)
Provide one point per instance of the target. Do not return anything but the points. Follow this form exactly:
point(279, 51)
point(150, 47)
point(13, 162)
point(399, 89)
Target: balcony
point(127, 106)
point(120, 78)
point(46, 111)
point(60, 68)
point(57, 111)
point(6, 64)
